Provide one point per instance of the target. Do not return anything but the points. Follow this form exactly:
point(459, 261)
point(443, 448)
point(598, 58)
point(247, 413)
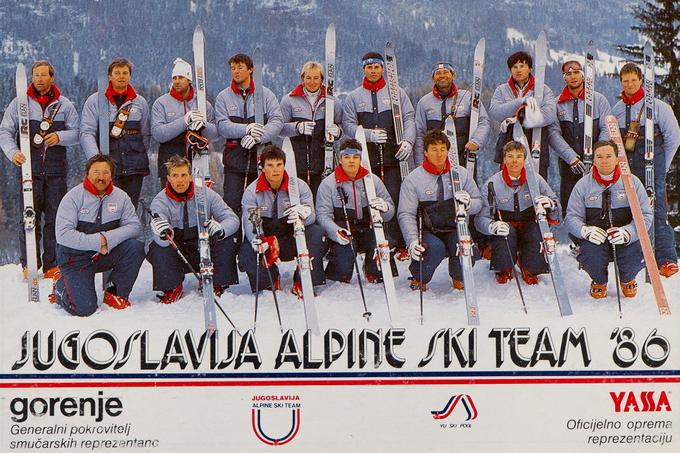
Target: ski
point(395, 101)
point(329, 156)
point(201, 161)
point(104, 130)
point(258, 99)
point(383, 247)
point(27, 185)
point(464, 239)
point(589, 89)
point(303, 260)
point(645, 242)
point(649, 126)
point(476, 102)
point(540, 57)
point(549, 243)
point(205, 261)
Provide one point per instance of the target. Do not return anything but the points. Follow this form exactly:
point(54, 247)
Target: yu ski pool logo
point(458, 403)
point(276, 418)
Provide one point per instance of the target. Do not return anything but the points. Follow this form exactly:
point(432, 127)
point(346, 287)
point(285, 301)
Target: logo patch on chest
point(111, 207)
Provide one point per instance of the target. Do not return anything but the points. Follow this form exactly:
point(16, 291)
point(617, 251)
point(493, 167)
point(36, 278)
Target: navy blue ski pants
point(437, 248)
point(169, 269)
point(525, 244)
point(341, 260)
point(595, 260)
point(316, 244)
point(233, 189)
point(131, 185)
point(76, 292)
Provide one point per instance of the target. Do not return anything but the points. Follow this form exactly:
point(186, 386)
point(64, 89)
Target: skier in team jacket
point(666, 141)
point(515, 218)
point(517, 93)
point(428, 192)
point(267, 197)
point(174, 219)
point(447, 99)
point(235, 118)
point(347, 181)
point(369, 106)
point(566, 135)
point(176, 120)
point(53, 125)
point(304, 112)
point(97, 229)
point(593, 198)
point(129, 131)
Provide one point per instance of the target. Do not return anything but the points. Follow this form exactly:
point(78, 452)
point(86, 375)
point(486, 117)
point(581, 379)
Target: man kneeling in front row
point(175, 223)
point(96, 230)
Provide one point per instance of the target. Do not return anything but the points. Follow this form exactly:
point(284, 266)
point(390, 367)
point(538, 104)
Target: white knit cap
point(182, 68)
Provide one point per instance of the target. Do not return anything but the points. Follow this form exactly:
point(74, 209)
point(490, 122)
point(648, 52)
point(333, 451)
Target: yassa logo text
point(651, 401)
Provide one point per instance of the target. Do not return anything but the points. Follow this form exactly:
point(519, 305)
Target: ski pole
point(308, 145)
point(608, 202)
point(420, 261)
point(367, 314)
point(495, 209)
point(245, 177)
point(257, 289)
point(381, 151)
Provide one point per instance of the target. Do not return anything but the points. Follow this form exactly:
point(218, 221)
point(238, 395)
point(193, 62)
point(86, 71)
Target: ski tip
point(389, 45)
point(198, 29)
point(331, 26)
point(590, 43)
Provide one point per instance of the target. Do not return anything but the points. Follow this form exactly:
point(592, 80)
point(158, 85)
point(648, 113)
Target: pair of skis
point(395, 101)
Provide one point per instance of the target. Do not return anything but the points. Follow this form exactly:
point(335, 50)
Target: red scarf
point(567, 96)
point(179, 198)
point(453, 92)
point(604, 183)
point(263, 185)
point(639, 94)
point(299, 91)
point(130, 94)
point(513, 182)
point(374, 86)
point(43, 99)
point(236, 89)
point(433, 171)
point(341, 176)
point(529, 86)
point(93, 190)
point(177, 95)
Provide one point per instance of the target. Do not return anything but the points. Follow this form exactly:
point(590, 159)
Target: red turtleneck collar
point(451, 94)
point(341, 176)
point(93, 190)
point(300, 91)
point(529, 86)
point(604, 183)
point(263, 185)
point(130, 94)
point(639, 94)
point(43, 99)
point(433, 171)
point(509, 181)
point(179, 198)
point(177, 95)
point(236, 89)
point(374, 86)
point(566, 95)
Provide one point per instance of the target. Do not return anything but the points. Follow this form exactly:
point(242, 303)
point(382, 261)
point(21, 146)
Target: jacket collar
point(603, 182)
point(44, 99)
point(93, 190)
point(439, 95)
point(299, 91)
point(263, 185)
point(635, 98)
point(529, 86)
point(433, 171)
point(176, 94)
point(179, 197)
point(341, 176)
point(243, 93)
point(567, 96)
point(374, 86)
point(514, 182)
point(130, 94)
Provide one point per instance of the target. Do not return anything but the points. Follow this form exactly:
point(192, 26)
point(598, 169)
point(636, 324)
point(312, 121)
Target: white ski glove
point(188, 117)
point(415, 250)
point(197, 125)
point(305, 127)
point(343, 236)
point(255, 129)
point(259, 246)
point(161, 228)
point(377, 136)
point(594, 234)
point(533, 117)
point(506, 123)
point(297, 212)
point(248, 141)
point(379, 204)
point(333, 132)
point(545, 201)
point(578, 167)
point(404, 151)
point(463, 198)
point(618, 236)
point(215, 229)
point(499, 228)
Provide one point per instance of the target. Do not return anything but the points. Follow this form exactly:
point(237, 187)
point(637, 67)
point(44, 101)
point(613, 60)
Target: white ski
point(201, 162)
point(476, 102)
point(540, 55)
point(589, 87)
point(395, 100)
point(329, 156)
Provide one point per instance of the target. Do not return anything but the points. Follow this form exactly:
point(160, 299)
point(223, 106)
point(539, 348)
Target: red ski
point(647, 250)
